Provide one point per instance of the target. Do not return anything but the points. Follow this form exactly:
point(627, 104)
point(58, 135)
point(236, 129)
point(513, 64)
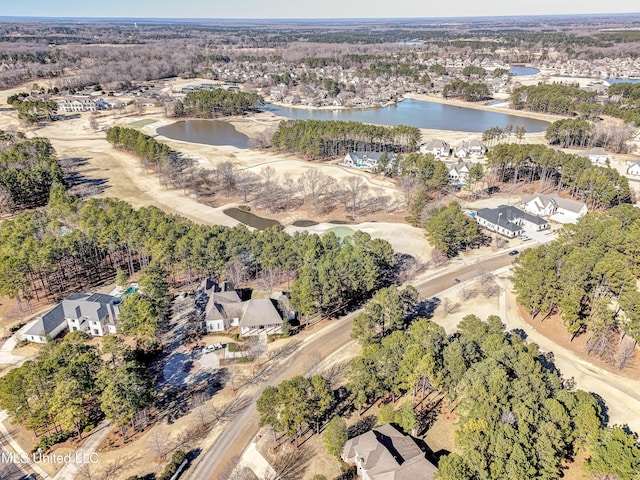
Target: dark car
point(514, 252)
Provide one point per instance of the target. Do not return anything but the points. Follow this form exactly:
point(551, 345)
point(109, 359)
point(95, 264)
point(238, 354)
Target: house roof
point(259, 311)
point(387, 454)
point(436, 143)
point(48, 322)
point(370, 155)
point(505, 216)
point(545, 199)
point(95, 307)
point(596, 151)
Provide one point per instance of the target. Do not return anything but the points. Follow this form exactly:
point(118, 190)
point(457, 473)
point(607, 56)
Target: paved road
point(10, 470)
point(242, 429)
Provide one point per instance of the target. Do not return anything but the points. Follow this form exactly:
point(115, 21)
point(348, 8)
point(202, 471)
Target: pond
point(209, 132)
point(612, 81)
point(250, 219)
point(417, 113)
point(521, 70)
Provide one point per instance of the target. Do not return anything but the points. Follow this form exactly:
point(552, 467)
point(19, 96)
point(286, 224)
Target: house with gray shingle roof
point(47, 326)
point(95, 314)
point(225, 310)
point(385, 453)
point(509, 221)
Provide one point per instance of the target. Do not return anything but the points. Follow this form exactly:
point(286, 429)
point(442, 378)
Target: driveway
point(8, 358)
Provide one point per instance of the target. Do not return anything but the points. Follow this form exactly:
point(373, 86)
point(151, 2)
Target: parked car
point(514, 252)
point(209, 348)
point(456, 280)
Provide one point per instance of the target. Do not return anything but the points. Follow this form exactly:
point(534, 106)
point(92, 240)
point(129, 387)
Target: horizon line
point(319, 18)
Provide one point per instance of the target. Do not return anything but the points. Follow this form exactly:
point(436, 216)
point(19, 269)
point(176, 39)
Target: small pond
point(209, 132)
point(250, 219)
point(521, 70)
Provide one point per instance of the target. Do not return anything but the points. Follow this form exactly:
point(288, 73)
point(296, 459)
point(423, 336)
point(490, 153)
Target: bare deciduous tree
point(626, 351)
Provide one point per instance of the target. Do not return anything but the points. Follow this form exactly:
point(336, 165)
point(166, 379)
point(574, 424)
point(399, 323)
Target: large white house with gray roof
point(95, 314)
point(509, 221)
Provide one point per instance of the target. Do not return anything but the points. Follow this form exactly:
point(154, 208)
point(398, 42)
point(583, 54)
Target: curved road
point(239, 432)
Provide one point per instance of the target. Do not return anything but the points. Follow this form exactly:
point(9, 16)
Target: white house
point(634, 168)
point(367, 160)
point(472, 148)
point(509, 221)
point(77, 104)
point(94, 314)
point(46, 327)
point(225, 310)
point(561, 210)
point(597, 156)
point(385, 453)
point(438, 148)
point(459, 172)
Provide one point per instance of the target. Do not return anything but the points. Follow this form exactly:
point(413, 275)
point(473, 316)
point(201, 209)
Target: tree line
point(145, 147)
point(598, 187)
point(319, 139)
point(517, 417)
point(74, 244)
point(552, 98)
point(577, 132)
point(28, 171)
point(622, 101)
point(217, 103)
point(588, 275)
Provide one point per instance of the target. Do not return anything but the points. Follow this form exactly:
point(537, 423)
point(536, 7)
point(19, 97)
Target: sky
point(306, 8)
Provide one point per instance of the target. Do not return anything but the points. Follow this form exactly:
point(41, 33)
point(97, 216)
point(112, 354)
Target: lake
point(209, 132)
point(520, 71)
point(417, 113)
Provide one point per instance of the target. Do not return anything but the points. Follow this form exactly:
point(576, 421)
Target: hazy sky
point(306, 8)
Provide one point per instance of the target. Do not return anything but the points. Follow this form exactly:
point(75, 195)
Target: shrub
point(176, 459)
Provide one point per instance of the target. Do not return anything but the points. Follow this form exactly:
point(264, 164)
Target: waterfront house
point(438, 148)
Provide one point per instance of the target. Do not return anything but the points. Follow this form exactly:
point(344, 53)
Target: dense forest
point(28, 171)
point(588, 275)
point(318, 139)
point(73, 245)
point(598, 187)
point(217, 103)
